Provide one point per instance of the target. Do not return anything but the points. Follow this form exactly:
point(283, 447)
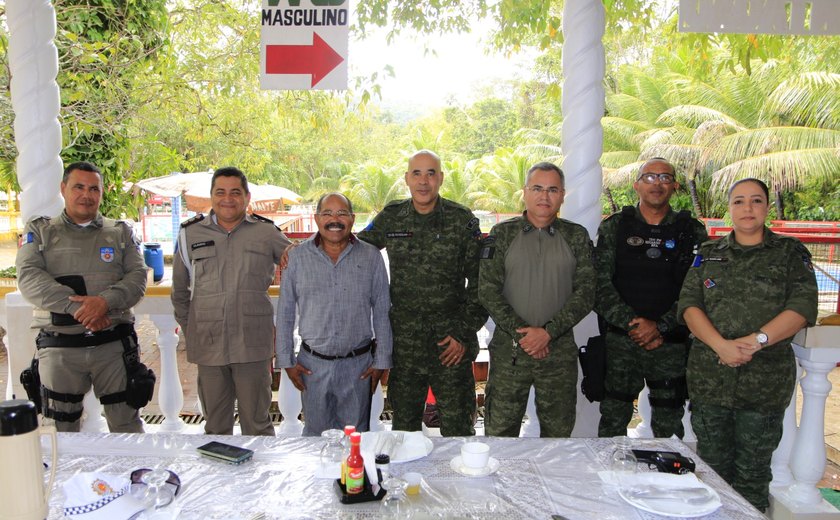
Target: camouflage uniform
point(565, 275)
point(430, 257)
point(630, 366)
point(737, 412)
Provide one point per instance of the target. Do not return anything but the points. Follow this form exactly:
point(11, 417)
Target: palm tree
point(372, 185)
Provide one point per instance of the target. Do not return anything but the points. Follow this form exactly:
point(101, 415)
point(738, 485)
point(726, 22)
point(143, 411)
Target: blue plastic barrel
point(153, 255)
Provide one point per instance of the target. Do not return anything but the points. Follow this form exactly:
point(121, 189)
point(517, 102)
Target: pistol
point(665, 461)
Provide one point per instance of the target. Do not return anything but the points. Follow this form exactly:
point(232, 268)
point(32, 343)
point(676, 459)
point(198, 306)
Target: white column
point(780, 463)
point(33, 63)
point(170, 392)
point(19, 340)
point(808, 457)
point(643, 430)
point(377, 404)
point(583, 107)
point(818, 350)
point(531, 426)
point(288, 400)
point(92, 419)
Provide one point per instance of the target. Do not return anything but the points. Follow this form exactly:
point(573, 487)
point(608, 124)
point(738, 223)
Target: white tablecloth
point(537, 478)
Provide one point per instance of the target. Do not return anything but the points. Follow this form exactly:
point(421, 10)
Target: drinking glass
point(159, 495)
point(332, 452)
point(395, 505)
point(622, 461)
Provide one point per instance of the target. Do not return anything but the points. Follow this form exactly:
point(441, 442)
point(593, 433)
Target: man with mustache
point(432, 246)
point(223, 266)
point(83, 273)
point(338, 288)
point(642, 257)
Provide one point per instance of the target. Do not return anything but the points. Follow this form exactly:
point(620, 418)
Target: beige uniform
point(106, 255)
point(220, 286)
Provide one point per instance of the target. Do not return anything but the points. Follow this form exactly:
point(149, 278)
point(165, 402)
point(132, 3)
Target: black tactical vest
point(652, 261)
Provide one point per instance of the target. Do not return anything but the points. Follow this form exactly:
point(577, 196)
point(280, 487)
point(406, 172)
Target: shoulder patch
point(190, 222)
point(473, 223)
point(806, 256)
point(26, 238)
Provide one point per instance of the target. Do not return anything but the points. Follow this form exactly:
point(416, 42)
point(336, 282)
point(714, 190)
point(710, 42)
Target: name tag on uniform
point(399, 234)
point(199, 245)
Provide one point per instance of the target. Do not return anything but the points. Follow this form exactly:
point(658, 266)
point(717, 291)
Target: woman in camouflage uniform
point(744, 298)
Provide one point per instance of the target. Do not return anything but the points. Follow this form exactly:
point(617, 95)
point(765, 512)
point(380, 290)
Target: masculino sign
point(304, 44)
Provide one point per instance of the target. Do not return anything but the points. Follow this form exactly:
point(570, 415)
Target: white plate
point(457, 465)
point(676, 508)
point(402, 455)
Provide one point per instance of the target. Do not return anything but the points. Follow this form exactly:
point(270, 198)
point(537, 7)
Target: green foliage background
point(150, 87)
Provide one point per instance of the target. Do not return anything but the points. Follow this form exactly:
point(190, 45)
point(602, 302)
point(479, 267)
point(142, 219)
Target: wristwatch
point(761, 338)
point(662, 327)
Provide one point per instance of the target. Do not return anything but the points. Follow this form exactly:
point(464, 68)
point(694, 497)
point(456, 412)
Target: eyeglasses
point(174, 480)
point(342, 213)
point(551, 190)
point(650, 178)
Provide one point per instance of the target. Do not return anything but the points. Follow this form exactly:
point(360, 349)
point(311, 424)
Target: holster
point(140, 386)
point(31, 381)
point(593, 364)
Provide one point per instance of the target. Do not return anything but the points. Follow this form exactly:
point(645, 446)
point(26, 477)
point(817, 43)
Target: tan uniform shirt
point(105, 253)
point(221, 295)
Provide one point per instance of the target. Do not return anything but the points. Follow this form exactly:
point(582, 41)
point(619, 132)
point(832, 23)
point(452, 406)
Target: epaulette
point(190, 222)
point(262, 218)
point(40, 217)
point(266, 220)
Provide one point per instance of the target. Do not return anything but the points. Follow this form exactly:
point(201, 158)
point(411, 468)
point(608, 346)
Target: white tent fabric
point(196, 190)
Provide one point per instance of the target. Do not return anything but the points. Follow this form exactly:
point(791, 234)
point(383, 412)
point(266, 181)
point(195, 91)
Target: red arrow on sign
point(318, 59)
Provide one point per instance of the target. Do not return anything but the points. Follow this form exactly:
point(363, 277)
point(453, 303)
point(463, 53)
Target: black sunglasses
point(174, 480)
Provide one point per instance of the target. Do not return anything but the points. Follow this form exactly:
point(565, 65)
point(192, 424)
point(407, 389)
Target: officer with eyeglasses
point(537, 281)
point(641, 259)
point(337, 286)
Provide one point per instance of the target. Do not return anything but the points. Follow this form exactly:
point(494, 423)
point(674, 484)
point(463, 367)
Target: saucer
point(458, 466)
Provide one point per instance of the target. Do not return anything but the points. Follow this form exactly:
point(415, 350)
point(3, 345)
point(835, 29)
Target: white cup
point(475, 455)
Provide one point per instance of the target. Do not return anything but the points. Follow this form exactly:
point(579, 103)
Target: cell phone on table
point(225, 452)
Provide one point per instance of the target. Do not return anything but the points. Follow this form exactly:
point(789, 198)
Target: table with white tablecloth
point(537, 478)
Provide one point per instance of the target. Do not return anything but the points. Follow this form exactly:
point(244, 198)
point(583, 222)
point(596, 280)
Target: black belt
point(87, 339)
point(358, 352)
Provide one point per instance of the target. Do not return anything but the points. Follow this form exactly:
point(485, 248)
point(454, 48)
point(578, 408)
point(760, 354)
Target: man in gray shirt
point(339, 288)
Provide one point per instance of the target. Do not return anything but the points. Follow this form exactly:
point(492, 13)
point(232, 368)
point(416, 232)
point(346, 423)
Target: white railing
point(798, 463)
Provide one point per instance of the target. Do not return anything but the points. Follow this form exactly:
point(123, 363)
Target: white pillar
point(531, 426)
point(583, 107)
point(808, 457)
point(780, 462)
point(818, 350)
point(20, 339)
point(170, 392)
point(33, 63)
point(643, 430)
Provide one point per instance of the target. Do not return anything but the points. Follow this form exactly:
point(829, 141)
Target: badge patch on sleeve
point(709, 283)
point(26, 238)
point(106, 254)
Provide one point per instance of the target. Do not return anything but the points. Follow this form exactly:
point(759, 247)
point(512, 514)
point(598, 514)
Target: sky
point(424, 80)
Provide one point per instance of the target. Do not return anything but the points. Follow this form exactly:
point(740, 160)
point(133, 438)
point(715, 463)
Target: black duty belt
point(87, 339)
point(358, 352)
